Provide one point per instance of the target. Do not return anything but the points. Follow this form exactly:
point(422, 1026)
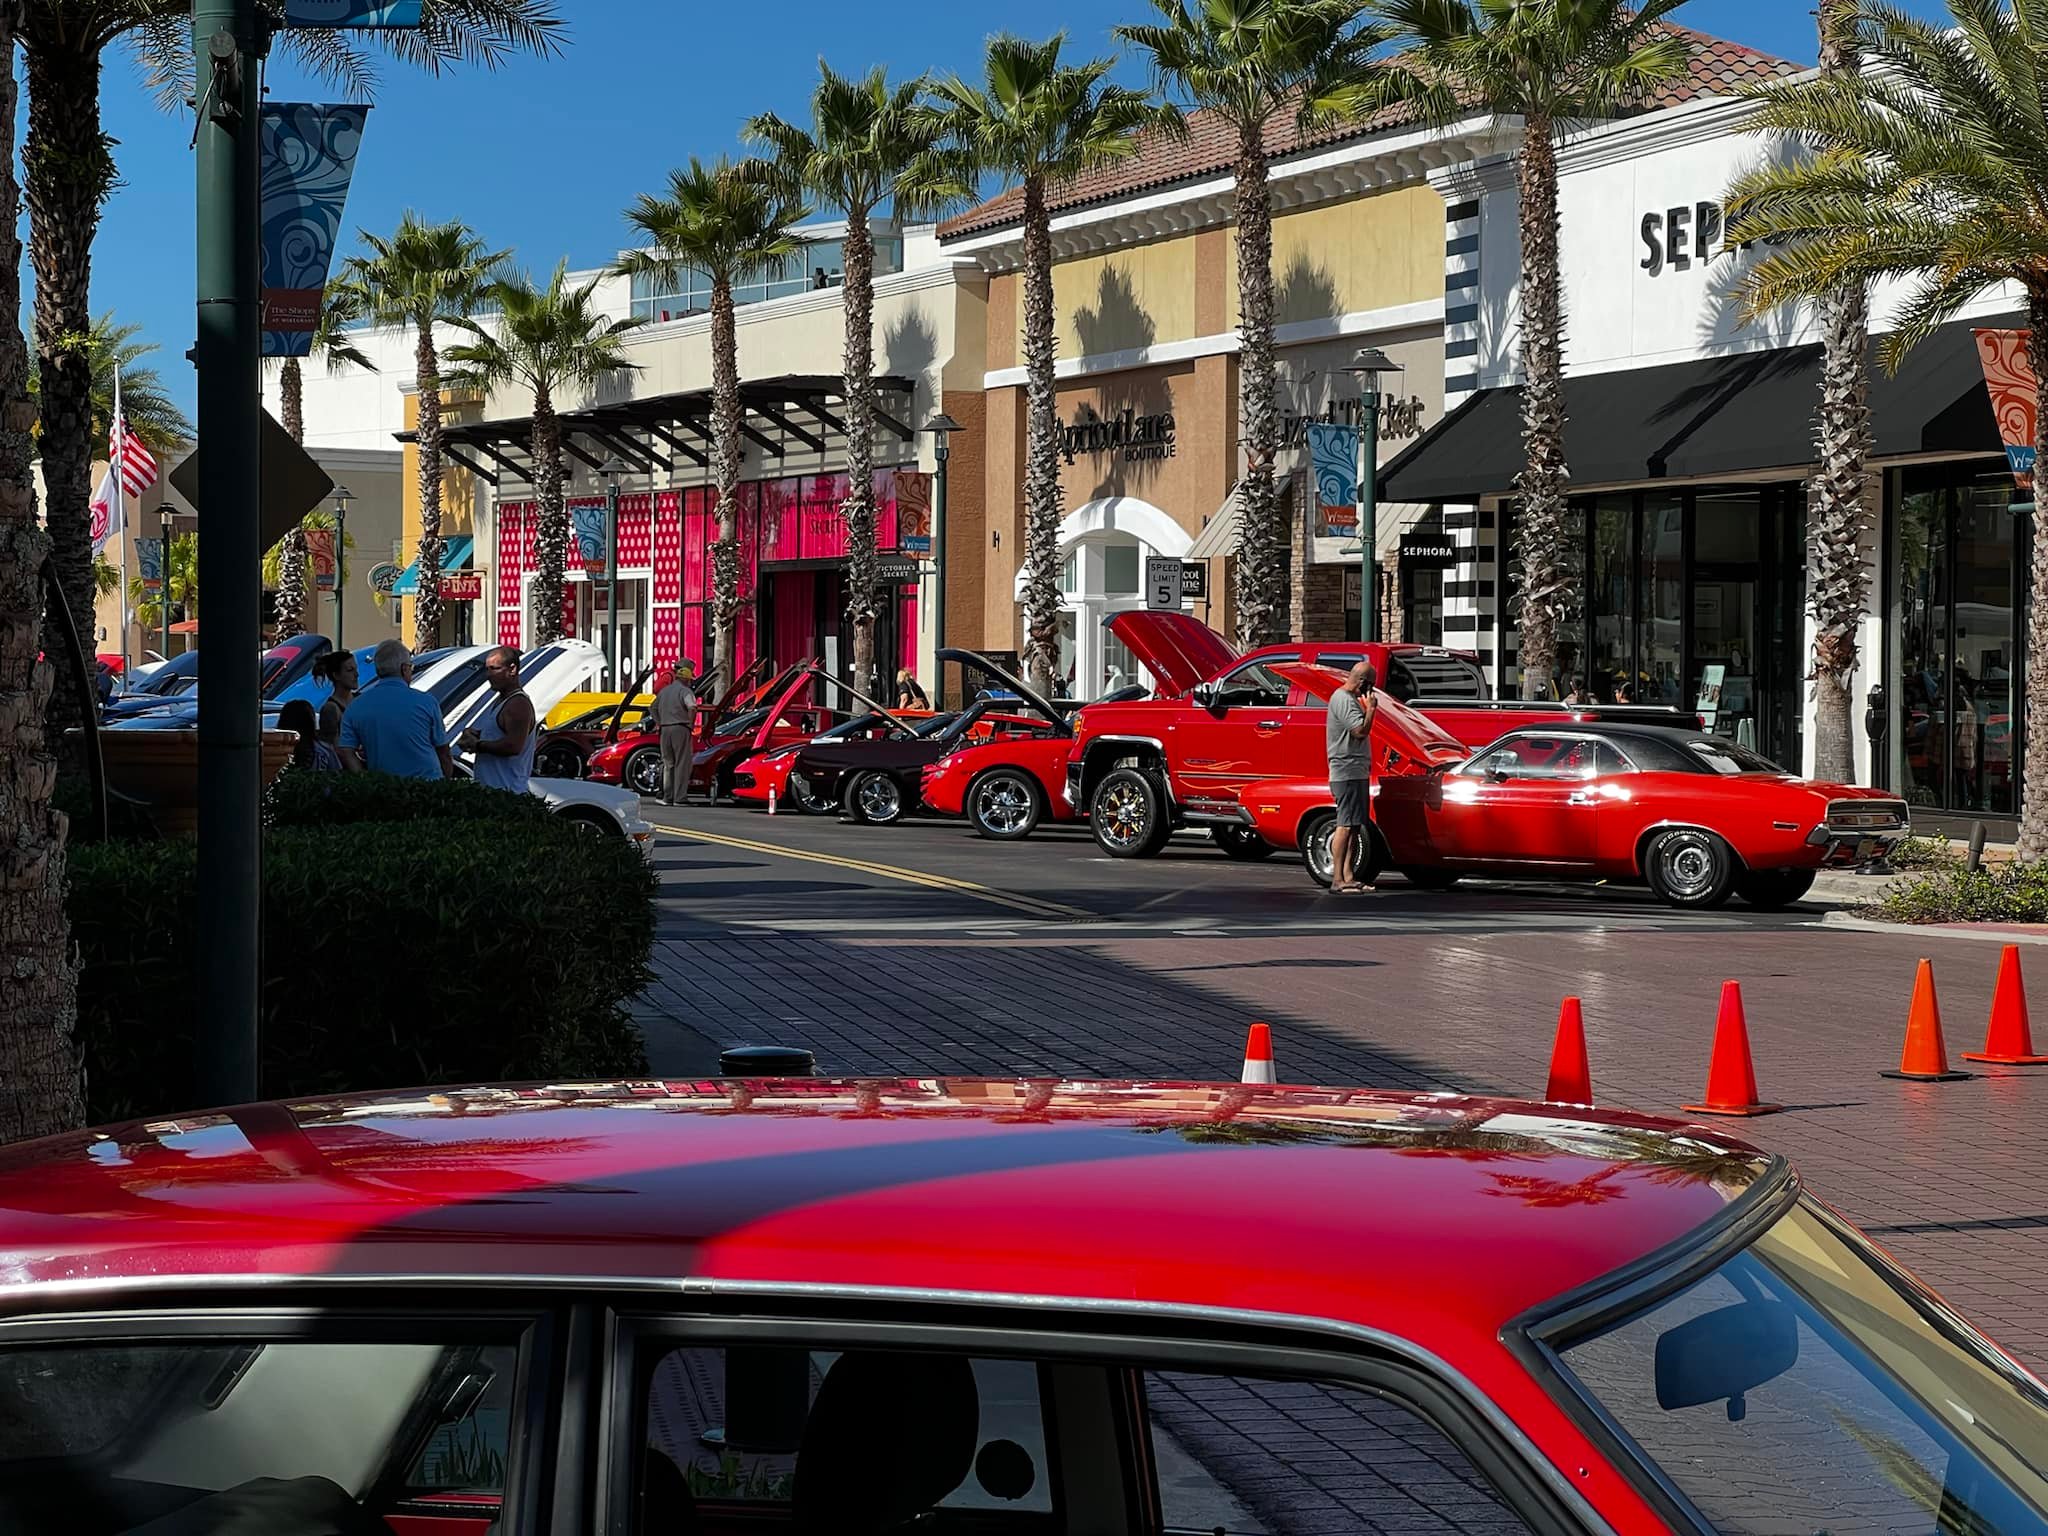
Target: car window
point(144, 1429)
point(1256, 685)
point(1434, 675)
point(1239, 1456)
point(1535, 757)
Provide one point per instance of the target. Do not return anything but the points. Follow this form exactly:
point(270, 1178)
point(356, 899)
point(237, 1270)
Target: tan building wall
point(1369, 253)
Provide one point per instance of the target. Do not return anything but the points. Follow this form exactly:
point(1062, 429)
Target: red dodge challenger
point(970, 1308)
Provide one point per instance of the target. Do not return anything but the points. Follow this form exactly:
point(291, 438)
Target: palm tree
point(1930, 168)
point(180, 584)
point(1554, 64)
point(152, 414)
point(419, 275)
point(732, 224)
point(1037, 123)
point(68, 169)
point(106, 577)
point(279, 572)
point(546, 340)
point(1250, 62)
point(342, 306)
point(41, 1091)
point(869, 145)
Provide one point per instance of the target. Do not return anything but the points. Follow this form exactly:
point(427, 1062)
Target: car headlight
point(780, 754)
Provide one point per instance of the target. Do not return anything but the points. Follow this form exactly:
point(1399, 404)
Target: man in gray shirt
point(1349, 740)
point(675, 716)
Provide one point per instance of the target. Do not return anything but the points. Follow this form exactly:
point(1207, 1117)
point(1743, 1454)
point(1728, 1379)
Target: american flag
point(126, 453)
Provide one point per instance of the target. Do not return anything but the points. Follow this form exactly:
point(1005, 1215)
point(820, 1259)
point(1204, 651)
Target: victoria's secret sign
point(1126, 434)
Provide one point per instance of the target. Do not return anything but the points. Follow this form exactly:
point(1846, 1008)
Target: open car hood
point(748, 686)
point(1176, 648)
point(794, 683)
point(995, 674)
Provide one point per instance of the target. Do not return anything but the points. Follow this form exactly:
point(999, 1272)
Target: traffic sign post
point(1163, 582)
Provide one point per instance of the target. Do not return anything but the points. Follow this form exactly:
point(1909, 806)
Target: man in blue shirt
point(392, 727)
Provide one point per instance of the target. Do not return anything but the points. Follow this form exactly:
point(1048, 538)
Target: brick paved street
point(1453, 991)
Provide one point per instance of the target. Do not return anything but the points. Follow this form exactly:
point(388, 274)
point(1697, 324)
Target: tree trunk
point(2033, 845)
point(862, 563)
point(1548, 574)
point(426, 606)
point(1042, 501)
point(291, 399)
point(551, 539)
point(1837, 505)
point(40, 1089)
point(1261, 541)
point(291, 557)
point(725, 469)
point(69, 173)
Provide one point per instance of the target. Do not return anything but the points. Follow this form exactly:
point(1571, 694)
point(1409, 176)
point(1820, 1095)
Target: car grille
point(1867, 815)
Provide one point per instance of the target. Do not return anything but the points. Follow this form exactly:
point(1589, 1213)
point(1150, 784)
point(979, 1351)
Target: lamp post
point(1368, 364)
point(611, 469)
point(342, 497)
point(942, 427)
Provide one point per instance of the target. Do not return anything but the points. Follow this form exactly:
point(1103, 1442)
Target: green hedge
point(345, 799)
point(396, 954)
point(2011, 893)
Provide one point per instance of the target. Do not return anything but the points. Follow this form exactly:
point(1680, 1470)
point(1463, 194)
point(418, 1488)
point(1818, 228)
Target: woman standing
point(311, 751)
point(337, 668)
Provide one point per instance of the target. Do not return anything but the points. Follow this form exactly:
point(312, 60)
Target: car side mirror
point(1723, 1354)
point(1206, 695)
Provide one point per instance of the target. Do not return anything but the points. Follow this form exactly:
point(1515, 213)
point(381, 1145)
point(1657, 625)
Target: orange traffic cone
point(1258, 1056)
point(1925, 1058)
point(2010, 1042)
point(1571, 1075)
point(1731, 1075)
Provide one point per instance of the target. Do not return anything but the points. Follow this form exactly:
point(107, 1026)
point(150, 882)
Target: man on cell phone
point(1349, 739)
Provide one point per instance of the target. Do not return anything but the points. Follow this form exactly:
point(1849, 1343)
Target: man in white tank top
point(503, 745)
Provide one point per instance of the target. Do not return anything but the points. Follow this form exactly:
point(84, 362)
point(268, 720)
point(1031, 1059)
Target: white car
point(601, 808)
point(549, 674)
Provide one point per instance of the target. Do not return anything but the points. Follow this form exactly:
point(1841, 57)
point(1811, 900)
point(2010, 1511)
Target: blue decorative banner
point(586, 531)
point(1333, 455)
point(149, 553)
point(308, 153)
point(352, 13)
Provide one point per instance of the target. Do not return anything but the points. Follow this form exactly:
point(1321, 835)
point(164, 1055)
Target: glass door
point(1725, 586)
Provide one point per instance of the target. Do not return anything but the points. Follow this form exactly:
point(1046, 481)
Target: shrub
point(2013, 893)
point(1925, 853)
point(298, 799)
point(394, 955)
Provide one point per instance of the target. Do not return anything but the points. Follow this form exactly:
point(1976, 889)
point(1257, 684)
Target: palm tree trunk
point(725, 468)
point(862, 564)
point(291, 399)
point(552, 537)
point(291, 560)
point(69, 173)
point(1261, 541)
point(1547, 575)
point(1042, 501)
point(1837, 505)
point(2033, 844)
point(426, 611)
point(40, 1091)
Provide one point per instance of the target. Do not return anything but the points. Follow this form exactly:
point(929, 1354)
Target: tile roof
point(1209, 148)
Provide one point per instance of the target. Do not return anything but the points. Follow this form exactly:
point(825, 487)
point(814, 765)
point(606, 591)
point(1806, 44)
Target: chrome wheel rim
point(1689, 867)
point(879, 799)
point(1122, 815)
point(1002, 804)
point(647, 775)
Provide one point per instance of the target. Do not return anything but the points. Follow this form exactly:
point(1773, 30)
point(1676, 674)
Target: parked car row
point(1463, 785)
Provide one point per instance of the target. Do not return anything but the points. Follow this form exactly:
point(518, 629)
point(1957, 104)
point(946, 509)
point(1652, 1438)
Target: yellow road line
point(1027, 904)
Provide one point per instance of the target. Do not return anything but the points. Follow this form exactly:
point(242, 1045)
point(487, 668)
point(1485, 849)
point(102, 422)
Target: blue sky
point(542, 156)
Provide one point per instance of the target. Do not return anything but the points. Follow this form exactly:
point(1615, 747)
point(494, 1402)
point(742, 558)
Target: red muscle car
point(959, 1307)
point(1005, 787)
point(1693, 815)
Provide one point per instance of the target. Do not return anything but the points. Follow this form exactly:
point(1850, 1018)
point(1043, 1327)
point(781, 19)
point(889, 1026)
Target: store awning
point(1697, 420)
point(456, 550)
point(1219, 535)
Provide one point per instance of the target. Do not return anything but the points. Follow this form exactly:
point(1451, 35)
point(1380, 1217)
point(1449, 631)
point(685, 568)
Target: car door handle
point(1579, 797)
point(1268, 725)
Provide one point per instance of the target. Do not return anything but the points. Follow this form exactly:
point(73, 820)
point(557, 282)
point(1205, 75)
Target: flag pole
point(120, 516)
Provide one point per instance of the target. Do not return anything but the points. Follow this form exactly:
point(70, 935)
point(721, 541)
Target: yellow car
point(576, 705)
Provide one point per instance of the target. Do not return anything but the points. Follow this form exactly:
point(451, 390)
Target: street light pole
point(611, 469)
point(942, 427)
point(1369, 364)
point(342, 498)
point(228, 47)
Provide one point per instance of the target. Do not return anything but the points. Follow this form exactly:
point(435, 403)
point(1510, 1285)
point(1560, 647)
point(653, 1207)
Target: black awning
point(1692, 421)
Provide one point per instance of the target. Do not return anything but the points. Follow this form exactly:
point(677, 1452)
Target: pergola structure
point(661, 434)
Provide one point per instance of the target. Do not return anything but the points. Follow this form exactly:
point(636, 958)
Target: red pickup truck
point(1221, 723)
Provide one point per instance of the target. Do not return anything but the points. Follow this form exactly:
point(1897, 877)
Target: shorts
point(1354, 801)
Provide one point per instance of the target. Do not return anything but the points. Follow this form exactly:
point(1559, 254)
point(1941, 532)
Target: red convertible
point(970, 1307)
point(1693, 815)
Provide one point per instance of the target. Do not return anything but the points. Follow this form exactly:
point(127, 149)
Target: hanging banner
point(352, 13)
point(308, 153)
point(320, 555)
point(149, 555)
point(2010, 378)
point(1333, 455)
point(913, 513)
point(586, 533)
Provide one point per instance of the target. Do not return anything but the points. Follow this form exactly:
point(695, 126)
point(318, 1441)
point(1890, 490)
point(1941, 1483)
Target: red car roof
point(1435, 1216)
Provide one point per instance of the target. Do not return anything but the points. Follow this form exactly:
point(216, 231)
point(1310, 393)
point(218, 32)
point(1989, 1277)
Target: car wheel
point(1690, 868)
point(1242, 843)
point(591, 823)
point(1130, 815)
point(1003, 804)
point(809, 800)
point(558, 760)
point(642, 773)
point(874, 798)
point(1315, 851)
point(1430, 879)
point(1771, 889)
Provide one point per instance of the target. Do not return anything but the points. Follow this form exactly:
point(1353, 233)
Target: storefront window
point(1610, 598)
point(1727, 577)
point(1663, 641)
point(1120, 569)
